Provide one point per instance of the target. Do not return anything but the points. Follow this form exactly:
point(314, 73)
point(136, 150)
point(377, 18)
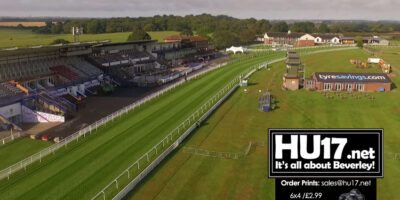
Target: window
point(327, 86)
point(310, 84)
point(349, 87)
point(338, 86)
point(360, 87)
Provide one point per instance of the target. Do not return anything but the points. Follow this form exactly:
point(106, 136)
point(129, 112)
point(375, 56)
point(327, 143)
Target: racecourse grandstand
point(51, 84)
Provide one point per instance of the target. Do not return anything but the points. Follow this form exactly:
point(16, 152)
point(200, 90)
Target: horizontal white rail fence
point(10, 138)
point(298, 48)
point(88, 130)
point(7, 172)
point(158, 152)
point(179, 134)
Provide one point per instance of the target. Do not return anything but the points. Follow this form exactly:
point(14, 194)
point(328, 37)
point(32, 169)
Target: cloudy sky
point(268, 9)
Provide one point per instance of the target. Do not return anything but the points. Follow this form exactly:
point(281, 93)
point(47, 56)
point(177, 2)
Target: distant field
point(238, 121)
point(10, 37)
point(26, 24)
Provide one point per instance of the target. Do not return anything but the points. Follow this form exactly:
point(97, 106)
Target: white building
point(326, 39)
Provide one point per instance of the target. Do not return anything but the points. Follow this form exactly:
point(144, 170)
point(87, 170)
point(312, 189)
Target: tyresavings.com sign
point(351, 77)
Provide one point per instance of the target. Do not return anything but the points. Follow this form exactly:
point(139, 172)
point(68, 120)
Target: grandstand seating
point(65, 72)
point(82, 67)
point(8, 89)
point(24, 70)
point(3, 93)
point(108, 58)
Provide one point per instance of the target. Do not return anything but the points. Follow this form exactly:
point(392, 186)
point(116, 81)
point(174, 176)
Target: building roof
point(197, 38)
point(293, 72)
point(182, 37)
point(364, 38)
point(293, 62)
point(285, 35)
point(338, 77)
point(326, 36)
point(175, 37)
point(265, 99)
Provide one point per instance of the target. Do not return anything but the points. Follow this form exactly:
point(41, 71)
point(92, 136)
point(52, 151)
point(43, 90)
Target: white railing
point(159, 151)
point(10, 138)
point(133, 174)
point(298, 48)
point(179, 134)
point(7, 172)
point(88, 130)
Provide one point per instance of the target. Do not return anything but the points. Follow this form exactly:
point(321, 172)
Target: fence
point(159, 151)
point(133, 174)
point(297, 48)
point(88, 130)
point(215, 154)
point(11, 138)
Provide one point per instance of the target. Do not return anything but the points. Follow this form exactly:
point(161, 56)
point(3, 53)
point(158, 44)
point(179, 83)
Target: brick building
point(360, 82)
point(289, 38)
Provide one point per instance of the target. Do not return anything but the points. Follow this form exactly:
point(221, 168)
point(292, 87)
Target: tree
point(303, 27)
point(359, 41)
point(93, 26)
point(187, 32)
point(138, 34)
point(60, 41)
point(20, 26)
point(57, 28)
point(148, 27)
point(280, 27)
point(247, 36)
point(223, 39)
point(323, 28)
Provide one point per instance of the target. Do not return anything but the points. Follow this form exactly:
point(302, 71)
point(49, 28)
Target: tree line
point(223, 30)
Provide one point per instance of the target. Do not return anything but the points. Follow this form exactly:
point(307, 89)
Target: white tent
point(235, 49)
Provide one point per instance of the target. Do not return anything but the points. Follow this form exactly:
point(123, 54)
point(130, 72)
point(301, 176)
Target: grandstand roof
point(43, 49)
point(125, 43)
point(195, 38)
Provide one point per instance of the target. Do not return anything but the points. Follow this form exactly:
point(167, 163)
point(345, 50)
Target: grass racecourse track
point(237, 122)
point(19, 149)
point(83, 168)
point(11, 37)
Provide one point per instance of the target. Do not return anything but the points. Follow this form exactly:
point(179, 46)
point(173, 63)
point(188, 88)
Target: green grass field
point(85, 167)
point(19, 149)
point(22, 38)
point(82, 169)
point(238, 121)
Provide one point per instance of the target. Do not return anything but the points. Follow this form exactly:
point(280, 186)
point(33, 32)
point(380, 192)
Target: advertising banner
point(325, 163)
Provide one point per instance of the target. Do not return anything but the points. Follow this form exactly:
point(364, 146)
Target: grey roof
point(285, 35)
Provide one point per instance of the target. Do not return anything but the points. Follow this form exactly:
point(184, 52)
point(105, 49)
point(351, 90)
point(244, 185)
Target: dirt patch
point(26, 24)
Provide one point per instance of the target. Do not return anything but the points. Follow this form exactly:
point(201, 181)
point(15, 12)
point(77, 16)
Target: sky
point(259, 9)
